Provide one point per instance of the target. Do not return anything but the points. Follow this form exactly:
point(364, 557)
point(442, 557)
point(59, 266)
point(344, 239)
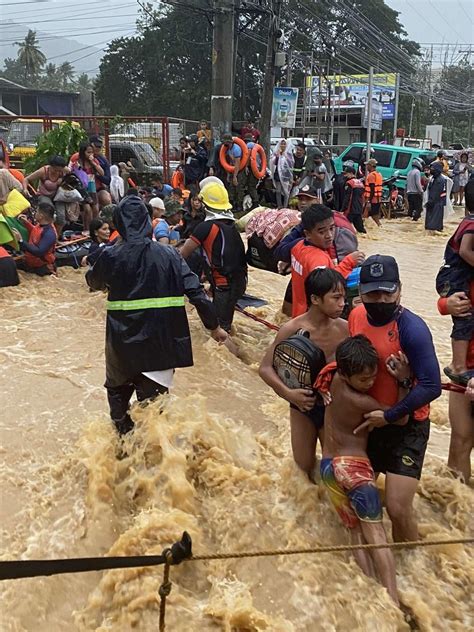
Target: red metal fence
point(145, 139)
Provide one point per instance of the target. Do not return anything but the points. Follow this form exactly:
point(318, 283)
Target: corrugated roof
point(11, 86)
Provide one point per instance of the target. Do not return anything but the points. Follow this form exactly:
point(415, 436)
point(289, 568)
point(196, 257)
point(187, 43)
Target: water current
point(213, 459)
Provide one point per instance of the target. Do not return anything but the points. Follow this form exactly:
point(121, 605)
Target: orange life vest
point(375, 178)
point(48, 258)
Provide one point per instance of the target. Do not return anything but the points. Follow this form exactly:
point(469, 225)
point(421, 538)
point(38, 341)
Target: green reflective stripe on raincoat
point(146, 303)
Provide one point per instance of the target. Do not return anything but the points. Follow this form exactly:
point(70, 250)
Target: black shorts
point(374, 209)
point(399, 449)
point(463, 328)
point(315, 415)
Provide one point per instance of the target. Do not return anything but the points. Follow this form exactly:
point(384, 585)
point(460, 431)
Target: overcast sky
point(95, 23)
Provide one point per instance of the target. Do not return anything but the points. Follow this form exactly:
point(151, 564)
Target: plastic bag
point(16, 203)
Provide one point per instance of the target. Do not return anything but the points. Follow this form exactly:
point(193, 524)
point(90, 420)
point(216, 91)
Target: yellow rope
point(328, 549)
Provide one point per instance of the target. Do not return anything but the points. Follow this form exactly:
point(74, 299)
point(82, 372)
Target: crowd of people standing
point(369, 401)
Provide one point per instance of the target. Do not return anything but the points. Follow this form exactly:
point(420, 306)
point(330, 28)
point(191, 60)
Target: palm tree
point(66, 73)
point(84, 83)
point(51, 78)
point(30, 56)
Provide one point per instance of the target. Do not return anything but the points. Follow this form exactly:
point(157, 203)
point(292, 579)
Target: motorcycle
point(392, 200)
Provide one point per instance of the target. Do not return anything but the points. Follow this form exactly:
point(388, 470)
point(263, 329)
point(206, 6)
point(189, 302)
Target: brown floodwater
point(214, 459)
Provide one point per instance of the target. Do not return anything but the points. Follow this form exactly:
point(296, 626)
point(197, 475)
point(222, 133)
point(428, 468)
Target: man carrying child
point(397, 451)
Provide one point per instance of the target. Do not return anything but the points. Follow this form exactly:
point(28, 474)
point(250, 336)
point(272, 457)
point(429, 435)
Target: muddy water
point(212, 459)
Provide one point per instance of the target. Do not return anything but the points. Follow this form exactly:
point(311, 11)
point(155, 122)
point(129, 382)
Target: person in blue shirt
point(236, 180)
point(102, 182)
point(165, 231)
point(159, 189)
point(251, 181)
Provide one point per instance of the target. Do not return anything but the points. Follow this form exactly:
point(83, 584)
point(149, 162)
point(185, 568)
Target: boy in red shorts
point(345, 467)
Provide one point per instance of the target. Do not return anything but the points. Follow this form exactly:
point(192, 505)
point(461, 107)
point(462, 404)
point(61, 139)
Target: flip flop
point(250, 301)
point(458, 378)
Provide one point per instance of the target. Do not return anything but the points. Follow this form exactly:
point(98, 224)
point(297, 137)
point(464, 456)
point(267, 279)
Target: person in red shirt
point(397, 451)
point(250, 129)
point(312, 252)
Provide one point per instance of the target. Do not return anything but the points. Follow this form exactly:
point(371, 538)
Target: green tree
point(13, 70)
point(66, 74)
point(30, 56)
point(62, 141)
point(166, 68)
point(51, 79)
point(84, 83)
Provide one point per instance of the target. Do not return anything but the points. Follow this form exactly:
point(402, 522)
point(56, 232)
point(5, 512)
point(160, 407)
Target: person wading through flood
point(147, 332)
point(346, 471)
point(325, 295)
point(397, 451)
point(223, 251)
point(313, 252)
point(436, 197)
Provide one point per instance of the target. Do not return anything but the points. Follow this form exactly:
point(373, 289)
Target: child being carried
point(345, 467)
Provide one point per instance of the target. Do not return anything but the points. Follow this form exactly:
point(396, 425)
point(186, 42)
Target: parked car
point(141, 156)
point(390, 158)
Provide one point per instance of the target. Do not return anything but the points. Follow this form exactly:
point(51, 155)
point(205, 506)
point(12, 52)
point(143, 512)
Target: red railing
point(105, 126)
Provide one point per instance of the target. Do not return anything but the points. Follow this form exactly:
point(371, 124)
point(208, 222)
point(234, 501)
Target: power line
point(443, 17)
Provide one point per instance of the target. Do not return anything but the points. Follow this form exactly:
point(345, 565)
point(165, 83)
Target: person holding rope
point(222, 248)
point(323, 325)
point(147, 333)
point(397, 451)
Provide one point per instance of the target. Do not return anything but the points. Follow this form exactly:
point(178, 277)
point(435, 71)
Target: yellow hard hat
point(214, 195)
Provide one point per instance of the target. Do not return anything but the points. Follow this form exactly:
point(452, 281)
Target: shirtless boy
point(325, 294)
point(345, 468)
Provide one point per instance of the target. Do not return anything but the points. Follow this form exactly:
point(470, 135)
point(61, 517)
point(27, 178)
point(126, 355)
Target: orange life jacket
point(177, 180)
point(48, 258)
point(3, 253)
point(375, 178)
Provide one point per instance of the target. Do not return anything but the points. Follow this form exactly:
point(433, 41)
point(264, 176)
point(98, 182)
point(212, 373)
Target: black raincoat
point(147, 327)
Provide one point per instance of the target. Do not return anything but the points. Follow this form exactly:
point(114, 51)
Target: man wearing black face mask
point(394, 449)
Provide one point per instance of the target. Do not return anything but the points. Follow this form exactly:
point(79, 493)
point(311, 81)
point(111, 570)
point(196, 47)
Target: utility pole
point(411, 117)
point(469, 92)
point(333, 105)
point(222, 68)
point(395, 114)
point(369, 112)
point(288, 69)
point(269, 79)
point(328, 113)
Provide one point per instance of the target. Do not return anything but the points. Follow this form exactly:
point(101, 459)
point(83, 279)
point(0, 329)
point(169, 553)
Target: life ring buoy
point(257, 150)
point(243, 161)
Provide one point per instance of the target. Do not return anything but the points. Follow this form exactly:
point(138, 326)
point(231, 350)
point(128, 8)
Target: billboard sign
point(284, 107)
point(377, 115)
point(350, 91)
